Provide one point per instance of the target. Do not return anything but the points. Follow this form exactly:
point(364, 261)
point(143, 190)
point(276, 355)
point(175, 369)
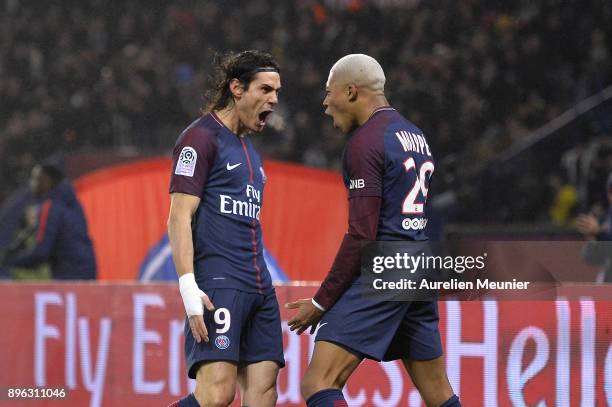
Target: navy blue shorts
point(244, 328)
point(382, 330)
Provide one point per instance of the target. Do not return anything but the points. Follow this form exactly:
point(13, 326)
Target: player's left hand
point(307, 316)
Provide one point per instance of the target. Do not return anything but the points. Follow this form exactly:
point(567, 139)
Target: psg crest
point(222, 342)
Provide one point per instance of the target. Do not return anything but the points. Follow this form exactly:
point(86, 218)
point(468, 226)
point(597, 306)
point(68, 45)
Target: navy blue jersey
point(225, 171)
point(388, 157)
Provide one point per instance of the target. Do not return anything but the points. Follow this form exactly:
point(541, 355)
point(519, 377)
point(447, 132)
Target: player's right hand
point(308, 316)
point(196, 322)
point(194, 301)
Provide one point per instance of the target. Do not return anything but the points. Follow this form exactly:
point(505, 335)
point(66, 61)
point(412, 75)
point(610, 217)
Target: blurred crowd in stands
point(580, 185)
point(476, 75)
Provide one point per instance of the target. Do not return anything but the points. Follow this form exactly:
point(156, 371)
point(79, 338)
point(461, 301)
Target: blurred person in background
point(564, 199)
point(23, 241)
point(59, 229)
point(598, 251)
point(216, 193)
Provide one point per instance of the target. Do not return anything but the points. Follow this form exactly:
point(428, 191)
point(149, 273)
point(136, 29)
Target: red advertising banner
point(122, 344)
point(297, 218)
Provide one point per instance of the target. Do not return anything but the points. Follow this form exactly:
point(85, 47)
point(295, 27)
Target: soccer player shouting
point(387, 167)
point(216, 192)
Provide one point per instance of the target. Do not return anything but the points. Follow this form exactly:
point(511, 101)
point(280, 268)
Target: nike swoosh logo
point(231, 167)
point(324, 323)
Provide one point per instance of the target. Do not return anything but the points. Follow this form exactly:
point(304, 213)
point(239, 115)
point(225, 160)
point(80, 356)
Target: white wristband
point(191, 294)
point(317, 305)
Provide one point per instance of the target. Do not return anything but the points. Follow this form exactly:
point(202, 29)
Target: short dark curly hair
point(242, 66)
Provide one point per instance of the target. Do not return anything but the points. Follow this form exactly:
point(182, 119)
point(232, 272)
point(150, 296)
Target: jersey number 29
point(422, 176)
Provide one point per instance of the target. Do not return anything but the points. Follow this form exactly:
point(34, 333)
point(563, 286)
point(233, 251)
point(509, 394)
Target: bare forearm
point(181, 243)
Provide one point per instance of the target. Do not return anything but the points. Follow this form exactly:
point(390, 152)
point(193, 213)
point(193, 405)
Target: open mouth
point(263, 116)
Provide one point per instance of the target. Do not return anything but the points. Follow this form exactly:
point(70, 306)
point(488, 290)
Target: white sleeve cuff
point(318, 306)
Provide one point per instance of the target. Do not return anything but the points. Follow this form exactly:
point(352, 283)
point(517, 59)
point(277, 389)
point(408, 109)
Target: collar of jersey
point(380, 109)
point(220, 122)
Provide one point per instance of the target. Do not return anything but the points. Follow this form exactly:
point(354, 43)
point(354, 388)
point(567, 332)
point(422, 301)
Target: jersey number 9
point(223, 317)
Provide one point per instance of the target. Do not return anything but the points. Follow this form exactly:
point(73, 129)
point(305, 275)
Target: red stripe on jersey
point(257, 269)
point(253, 232)
point(340, 403)
point(246, 153)
point(42, 224)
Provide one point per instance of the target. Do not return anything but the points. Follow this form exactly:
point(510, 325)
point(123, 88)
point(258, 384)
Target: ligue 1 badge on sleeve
point(263, 175)
point(186, 162)
point(222, 342)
